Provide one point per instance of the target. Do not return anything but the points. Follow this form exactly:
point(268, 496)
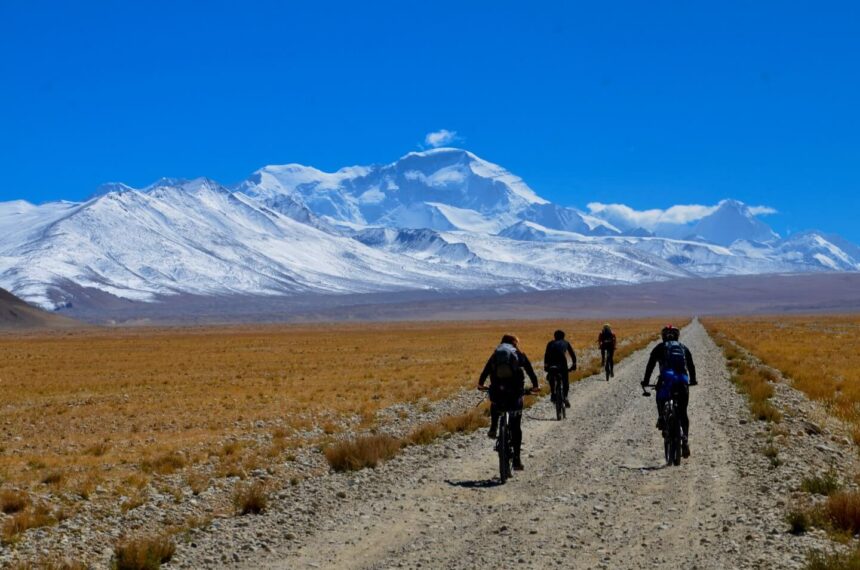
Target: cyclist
point(556, 355)
point(606, 341)
point(677, 371)
point(506, 370)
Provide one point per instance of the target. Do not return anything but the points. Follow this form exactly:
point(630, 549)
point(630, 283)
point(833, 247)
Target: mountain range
point(438, 220)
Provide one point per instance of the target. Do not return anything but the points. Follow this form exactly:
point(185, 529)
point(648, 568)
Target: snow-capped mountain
point(441, 189)
point(730, 222)
point(436, 220)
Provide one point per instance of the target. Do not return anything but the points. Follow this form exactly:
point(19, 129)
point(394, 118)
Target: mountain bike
point(504, 441)
point(609, 364)
point(673, 434)
point(554, 377)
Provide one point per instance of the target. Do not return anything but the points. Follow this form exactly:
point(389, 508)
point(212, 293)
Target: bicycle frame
point(505, 445)
point(557, 391)
point(673, 433)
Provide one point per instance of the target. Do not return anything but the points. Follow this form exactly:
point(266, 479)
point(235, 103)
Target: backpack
point(506, 364)
point(607, 339)
point(674, 358)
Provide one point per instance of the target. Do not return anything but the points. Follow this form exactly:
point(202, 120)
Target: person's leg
point(565, 386)
point(494, 420)
point(551, 379)
point(602, 356)
point(660, 402)
point(610, 354)
point(683, 399)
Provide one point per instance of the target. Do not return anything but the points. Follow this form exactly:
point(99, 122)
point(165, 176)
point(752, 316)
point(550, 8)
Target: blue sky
point(644, 103)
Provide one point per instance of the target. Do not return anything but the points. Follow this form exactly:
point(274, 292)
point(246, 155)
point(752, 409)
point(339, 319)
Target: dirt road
point(595, 492)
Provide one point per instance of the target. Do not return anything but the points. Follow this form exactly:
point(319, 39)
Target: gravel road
point(595, 493)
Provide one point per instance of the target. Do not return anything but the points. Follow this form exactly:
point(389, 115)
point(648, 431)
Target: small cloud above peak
point(442, 137)
point(762, 210)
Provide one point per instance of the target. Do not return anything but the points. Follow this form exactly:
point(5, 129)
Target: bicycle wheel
point(667, 437)
point(559, 401)
point(503, 445)
point(674, 439)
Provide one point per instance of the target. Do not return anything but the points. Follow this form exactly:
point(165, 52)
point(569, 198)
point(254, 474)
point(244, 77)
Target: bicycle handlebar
point(526, 391)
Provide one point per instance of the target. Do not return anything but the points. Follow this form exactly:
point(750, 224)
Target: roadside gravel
point(595, 493)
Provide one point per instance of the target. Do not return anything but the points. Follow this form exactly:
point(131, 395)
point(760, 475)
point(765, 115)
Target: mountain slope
point(441, 189)
point(439, 220)
point(732, 221)
point(15, 314)
point(200, 238)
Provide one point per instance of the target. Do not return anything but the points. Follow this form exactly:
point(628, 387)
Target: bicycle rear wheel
point(559, 401)
point(674, 438)
point(505, 459)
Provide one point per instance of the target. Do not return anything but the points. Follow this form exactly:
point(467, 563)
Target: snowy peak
point(440, 219)
point(440, 189)
point(732, 221)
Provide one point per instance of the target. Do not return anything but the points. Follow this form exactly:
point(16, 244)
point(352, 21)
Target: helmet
point(558, 335)
point(670, 332)
point(606, 326)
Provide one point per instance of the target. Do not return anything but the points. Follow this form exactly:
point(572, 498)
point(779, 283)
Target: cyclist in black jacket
point(556, 355)
point(500, 401)
point(676, 361)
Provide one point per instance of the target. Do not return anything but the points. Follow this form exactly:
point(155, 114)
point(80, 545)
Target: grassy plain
point(111, 411)
point(821, 357)
point(821, 354)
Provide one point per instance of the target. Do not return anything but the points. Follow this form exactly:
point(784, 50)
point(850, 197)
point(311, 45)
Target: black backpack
point(675, 357)
point(506, 364)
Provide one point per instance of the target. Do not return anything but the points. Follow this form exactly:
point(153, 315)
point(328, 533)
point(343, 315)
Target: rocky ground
point(595, 492)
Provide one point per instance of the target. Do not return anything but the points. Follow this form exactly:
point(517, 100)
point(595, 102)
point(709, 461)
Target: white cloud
point(441, 137)
point(763, 210)
point(626, 217)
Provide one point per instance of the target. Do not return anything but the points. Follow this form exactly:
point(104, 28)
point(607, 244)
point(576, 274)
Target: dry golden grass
point(250, 499)
point(821, 354)
point(466, 423)
point(843, 510)
point(425, 433)
point(120, 409)
point(750, 377)
point(49, 564)
point(363, 451)
point(36, 517)
point(833, 561)
point(147, 553)
point(13, 501)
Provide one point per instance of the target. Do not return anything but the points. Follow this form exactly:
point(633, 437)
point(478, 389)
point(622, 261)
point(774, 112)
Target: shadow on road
point(643, 467)
point(481, 484)
point(541, 419)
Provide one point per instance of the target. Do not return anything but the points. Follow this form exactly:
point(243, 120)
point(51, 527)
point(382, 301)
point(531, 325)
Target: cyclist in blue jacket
point(677, 373)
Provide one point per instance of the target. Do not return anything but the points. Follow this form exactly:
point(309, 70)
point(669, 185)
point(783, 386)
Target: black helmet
point(670, 333)
point(558, 335)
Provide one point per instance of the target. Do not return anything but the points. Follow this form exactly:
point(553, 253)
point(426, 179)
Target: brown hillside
point(16, 314)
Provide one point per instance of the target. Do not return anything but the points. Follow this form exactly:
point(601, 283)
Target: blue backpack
point(673, 368)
